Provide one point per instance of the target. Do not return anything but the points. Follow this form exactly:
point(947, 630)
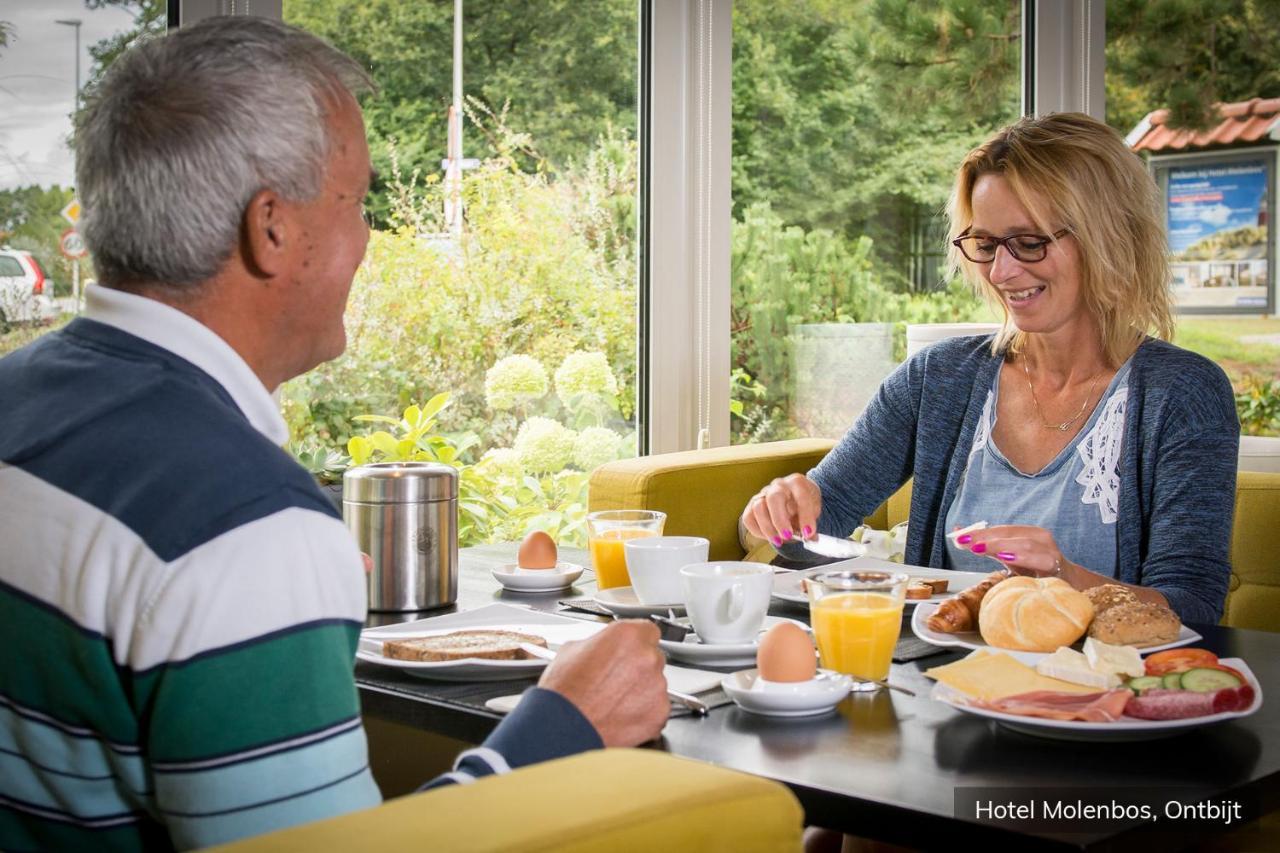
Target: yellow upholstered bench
point(703, 493)
point(611, 801)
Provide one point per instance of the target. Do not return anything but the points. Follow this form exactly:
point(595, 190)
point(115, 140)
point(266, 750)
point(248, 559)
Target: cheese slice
point(995, 676)
point(1113, 660)
point(1069, 665)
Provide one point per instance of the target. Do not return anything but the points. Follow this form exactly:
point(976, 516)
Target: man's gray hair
point(183, 131)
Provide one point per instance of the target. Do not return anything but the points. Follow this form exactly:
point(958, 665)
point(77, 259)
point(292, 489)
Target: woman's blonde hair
point(1071, 171)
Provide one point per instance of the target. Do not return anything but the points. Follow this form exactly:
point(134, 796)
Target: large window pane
point(849, 120)
point(50, 51)
point(522, 314)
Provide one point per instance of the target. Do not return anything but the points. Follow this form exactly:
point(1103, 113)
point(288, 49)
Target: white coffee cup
point(727, 601)
point(654, 564)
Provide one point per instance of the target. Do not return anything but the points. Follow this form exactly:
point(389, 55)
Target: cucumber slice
point(1145, 682)
point(1208, 680)
point(1173, 681)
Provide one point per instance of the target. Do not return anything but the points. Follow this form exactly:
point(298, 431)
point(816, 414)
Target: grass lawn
point(1220, 339)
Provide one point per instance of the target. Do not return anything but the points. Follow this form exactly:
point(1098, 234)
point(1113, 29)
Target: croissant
point(960, 613)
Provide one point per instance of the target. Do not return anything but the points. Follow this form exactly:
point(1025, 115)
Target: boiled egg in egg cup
point(537, 567)
point(786, 681)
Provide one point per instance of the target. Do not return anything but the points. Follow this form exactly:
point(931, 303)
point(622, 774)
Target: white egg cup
point(515, 579)
point(818, 695)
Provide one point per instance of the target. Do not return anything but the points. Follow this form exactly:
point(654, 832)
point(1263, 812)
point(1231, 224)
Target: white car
point(26, 294)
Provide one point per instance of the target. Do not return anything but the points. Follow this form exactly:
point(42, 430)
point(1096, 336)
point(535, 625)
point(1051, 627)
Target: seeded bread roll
point(1109, 595)
point(1136, 624)
point(492, 645)
point(1034, 614)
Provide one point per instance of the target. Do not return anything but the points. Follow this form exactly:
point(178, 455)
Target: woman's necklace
point(1065, 425)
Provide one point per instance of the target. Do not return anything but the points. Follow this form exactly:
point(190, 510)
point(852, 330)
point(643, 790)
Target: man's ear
point(266, 228)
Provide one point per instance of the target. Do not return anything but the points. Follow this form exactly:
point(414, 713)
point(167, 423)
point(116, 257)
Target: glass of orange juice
point(607, 530)
point(856, 617)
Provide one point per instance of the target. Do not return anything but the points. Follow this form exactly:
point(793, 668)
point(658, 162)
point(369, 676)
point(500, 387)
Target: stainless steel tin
point(405, 516)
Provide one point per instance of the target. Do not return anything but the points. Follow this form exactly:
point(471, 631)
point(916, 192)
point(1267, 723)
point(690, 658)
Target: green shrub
point(1258, 404)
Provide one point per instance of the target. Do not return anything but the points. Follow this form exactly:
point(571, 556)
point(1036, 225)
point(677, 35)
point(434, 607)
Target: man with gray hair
point(179, 603)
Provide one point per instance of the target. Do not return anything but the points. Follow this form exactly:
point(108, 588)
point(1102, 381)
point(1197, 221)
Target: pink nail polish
point(786, 534)
point(980, 548)
point(964, 540)
point(777, 540)
point(807, 531)
point(1007, 555)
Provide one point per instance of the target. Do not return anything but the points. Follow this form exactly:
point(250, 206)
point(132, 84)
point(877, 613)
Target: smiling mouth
point(1024, 295)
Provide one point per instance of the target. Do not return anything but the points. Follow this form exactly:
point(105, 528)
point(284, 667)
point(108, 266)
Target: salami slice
point(1170, 705)
point(1183, 704)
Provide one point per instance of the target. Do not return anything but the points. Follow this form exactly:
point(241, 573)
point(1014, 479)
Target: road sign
point(71, 212)
point(72, 244)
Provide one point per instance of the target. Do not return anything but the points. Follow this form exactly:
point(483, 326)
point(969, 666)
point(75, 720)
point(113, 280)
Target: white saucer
point(818, 695)
point(515, 579)
point(693, 650)
point(622, 601)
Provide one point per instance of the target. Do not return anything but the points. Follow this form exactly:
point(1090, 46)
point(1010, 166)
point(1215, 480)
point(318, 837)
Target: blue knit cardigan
point(1177, 475)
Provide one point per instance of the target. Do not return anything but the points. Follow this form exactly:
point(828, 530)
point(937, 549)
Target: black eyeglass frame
point(1008, 245)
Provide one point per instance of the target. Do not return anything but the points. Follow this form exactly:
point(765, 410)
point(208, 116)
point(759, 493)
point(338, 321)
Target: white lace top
point(1075, 496)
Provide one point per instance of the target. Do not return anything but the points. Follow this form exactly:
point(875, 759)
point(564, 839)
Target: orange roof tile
point(1243, 122)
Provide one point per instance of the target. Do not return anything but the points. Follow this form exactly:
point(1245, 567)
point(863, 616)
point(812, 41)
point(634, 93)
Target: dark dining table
point(914, 771)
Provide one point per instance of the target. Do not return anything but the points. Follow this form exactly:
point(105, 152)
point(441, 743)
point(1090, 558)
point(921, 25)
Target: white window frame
point(687, 223)
point(1064, 57)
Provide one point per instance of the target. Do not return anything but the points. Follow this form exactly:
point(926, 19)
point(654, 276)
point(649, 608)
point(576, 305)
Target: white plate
point(1124, 729)
point(973, 640)
point(557, 630)
point(622, 601)
point(693, 650)
point(786, 585)
point(818, 695)
point(544, 580)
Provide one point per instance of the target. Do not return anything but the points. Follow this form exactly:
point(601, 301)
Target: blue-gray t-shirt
point(1075, 496)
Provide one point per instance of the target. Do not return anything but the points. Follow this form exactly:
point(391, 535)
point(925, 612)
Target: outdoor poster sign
point(1218, 235)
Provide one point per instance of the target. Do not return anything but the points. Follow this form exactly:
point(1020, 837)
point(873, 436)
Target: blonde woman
point(1096, 450)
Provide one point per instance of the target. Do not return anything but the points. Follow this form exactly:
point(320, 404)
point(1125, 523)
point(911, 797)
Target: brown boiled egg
point(537, 551)
point(786, 654)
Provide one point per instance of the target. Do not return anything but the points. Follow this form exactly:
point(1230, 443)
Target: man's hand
point(615, 679)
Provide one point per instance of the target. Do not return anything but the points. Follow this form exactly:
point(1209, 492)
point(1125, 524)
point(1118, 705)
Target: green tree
point(150, 17)
point(30, 219)
point(1187, 55)
point(567, 68)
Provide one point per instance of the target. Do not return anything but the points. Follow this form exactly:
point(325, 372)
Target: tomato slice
point(1180, 660)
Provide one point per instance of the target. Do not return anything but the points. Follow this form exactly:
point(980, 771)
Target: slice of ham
point(1090, 707)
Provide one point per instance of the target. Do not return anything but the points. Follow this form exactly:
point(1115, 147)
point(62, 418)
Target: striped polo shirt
point(179, 603)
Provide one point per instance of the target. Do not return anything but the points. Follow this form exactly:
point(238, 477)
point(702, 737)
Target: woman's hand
point(788, 508)
point(1023, 549)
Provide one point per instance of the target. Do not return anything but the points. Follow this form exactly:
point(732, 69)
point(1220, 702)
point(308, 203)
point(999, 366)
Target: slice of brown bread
point(492, 645)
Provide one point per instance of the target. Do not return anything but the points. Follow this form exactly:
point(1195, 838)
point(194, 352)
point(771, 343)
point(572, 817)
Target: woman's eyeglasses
point(1028, 248)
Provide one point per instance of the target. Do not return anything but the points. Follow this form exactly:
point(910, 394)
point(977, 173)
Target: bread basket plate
point(556, 630)
point(973, 640)
point(546, 580)
point(787, 585)
point(1124, 729)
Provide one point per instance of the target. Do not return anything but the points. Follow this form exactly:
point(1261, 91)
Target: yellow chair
point(609, 801)
point(703, 493)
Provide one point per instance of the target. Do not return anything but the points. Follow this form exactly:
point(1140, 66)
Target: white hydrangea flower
point(595, 446)
point(544, 446)
point(585, 372)
point(516, 380)
point(504, 461)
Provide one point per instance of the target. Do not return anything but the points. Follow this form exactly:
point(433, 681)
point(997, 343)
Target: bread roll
point(1136, 623)
point(1109, 595)
point(1034, 614)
